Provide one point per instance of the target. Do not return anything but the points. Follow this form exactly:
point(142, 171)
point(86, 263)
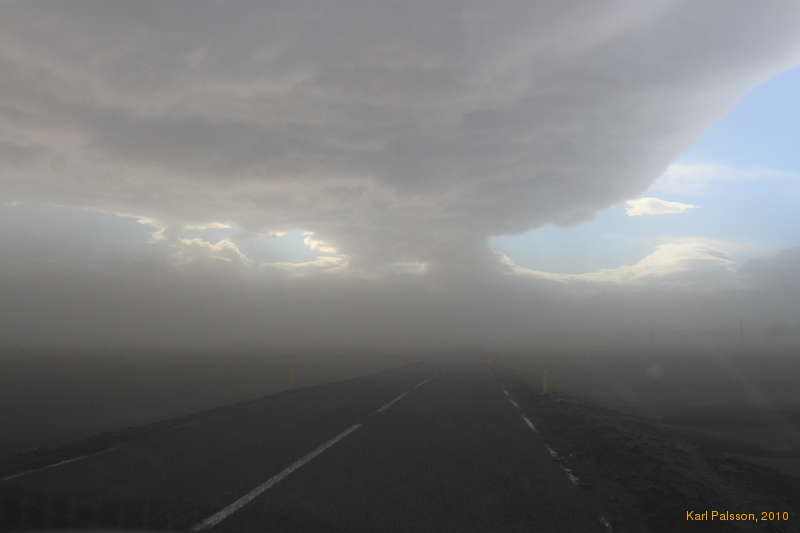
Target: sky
point(408, 174)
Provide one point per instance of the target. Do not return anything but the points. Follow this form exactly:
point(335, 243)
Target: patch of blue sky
point(762, 131)
point(601, 243)
point(289, 247)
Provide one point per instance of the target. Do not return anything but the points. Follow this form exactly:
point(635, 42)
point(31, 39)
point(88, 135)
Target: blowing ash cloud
point(67, 286)
point(400, 135)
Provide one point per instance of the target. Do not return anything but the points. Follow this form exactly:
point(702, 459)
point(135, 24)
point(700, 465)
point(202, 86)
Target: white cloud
point(689, 264)
point(655, 206)
point(318, 245)
point(331, 262)
point(320, 265)
point(208, 225)
point(191, 250)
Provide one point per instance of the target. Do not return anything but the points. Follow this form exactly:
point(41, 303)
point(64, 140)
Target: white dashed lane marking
point(224, 513)
point(221, 515)
point(421, 383)
point(391, 403)
point(388, 405)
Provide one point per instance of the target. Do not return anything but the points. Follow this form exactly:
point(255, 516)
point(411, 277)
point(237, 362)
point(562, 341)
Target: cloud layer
point(395, 132)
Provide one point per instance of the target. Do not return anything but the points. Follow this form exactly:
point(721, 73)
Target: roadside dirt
point(646, 474)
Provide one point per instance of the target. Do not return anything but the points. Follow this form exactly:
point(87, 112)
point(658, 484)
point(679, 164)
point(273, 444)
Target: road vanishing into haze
point(435, 447)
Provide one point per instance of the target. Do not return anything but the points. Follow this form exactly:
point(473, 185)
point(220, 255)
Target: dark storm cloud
point(397, 131)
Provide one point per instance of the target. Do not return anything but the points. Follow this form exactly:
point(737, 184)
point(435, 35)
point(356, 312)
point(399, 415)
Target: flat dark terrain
point(426, 447)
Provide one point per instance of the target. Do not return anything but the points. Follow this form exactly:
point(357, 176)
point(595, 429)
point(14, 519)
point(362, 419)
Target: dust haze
point(399, 137)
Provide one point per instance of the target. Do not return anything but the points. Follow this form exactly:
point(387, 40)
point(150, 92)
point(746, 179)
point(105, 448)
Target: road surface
point(438, 447)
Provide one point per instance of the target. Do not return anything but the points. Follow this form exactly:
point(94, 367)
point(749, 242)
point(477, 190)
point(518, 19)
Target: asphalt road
point(431, 447)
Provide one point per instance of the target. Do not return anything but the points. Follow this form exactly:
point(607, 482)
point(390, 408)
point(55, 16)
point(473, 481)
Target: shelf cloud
point(394, 132)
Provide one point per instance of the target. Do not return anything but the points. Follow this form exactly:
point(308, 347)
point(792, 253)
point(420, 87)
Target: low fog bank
point(94, 343)
point(152, 304)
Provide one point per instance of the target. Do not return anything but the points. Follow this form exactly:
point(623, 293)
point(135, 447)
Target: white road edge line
point(530, 424)
point(525, 418)
point(554, 454)
point(54, 465)
point(572, 477)
point(221, 515)
point(388, 405)
point(564, 468)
